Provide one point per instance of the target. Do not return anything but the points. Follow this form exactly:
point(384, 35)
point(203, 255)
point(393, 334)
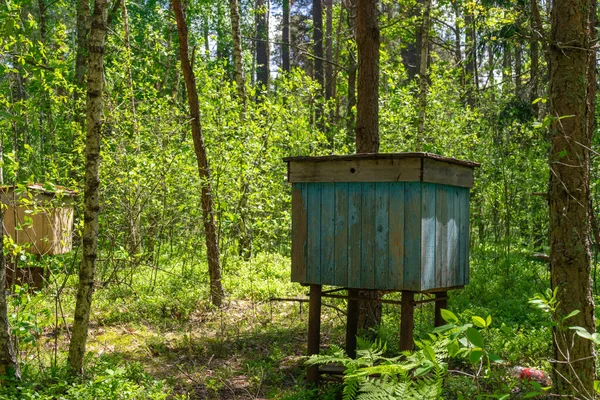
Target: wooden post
point(352, 323)
point(441, 301)
point(314, 331)
point(407, 320)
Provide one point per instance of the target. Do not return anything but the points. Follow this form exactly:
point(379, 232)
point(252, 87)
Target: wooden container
point(381, 221)
point(43, 218)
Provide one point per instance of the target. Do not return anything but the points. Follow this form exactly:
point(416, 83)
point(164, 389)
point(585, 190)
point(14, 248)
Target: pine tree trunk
point(8, 360)
point(236, 34)
point(352, 71)
point(210, 230)
point(424, 52)
point(262, 44)
point(410, 52)
point(518, 71)
point(367, 119)
point(285, 36)
point(572, 91)
point(91, 207)
point(534, 57)
point(317, 11)
point(367, 39)
point(471, 58)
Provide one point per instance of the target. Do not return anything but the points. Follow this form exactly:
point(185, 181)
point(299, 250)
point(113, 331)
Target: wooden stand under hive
point(388, 222)
point(40, 220)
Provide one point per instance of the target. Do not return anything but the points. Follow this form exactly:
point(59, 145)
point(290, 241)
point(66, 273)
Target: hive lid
point(382, 167)
point(382, 156)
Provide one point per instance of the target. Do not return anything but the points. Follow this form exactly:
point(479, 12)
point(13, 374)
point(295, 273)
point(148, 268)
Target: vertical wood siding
point(384, 235)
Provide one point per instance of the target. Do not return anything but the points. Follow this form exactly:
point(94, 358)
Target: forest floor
point(241, 351)
point(155, 333)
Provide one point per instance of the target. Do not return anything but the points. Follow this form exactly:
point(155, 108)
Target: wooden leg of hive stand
point(314, 331)
point(441, 301)
point(352, 323)
point(407, 320)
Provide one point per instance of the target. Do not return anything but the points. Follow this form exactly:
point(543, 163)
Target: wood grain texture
point(367, 273)
point(299, 231)
point(428, 236)
point(396, 236)
point(382, 234)
point(313, 258)
point(387, 170)
point(435, 171)
point(341, 234)
point(327, 233)
point(441, 236)
point(412, 236)
point(354, 234)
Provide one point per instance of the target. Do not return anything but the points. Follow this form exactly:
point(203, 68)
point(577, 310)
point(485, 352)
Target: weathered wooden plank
point(435, 171)
point(382, 229)
point(354, 234)
point(459, 272)
point(358, 170)
point(428, 236)
point(466, 239)
point(396, 236)
point(299, 232)
point(313, 259)
point(452, 241)
point(441, 236)
point(380, 156)
point(341, 234)
point(412, 236)
point(367, 274)
point(327, 233)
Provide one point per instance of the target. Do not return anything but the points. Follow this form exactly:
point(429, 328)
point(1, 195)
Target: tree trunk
point(134, 243)
point(534, 57)
point(210, 231)
point(471, 58)
point(318, 76)
point(367, 39)
point(262, 44)
point(285, 37)
point(91, 207)
point(8, 360)
point(572, 91)
point(328, 49)
point(367, 119)
point(424, 52)
point(236, 34)
point(518, 71)
point(506, 67)
point(83, 30)
point(410, 52)
point(352, 71)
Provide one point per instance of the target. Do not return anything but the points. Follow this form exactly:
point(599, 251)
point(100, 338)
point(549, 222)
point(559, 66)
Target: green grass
point(155, 332)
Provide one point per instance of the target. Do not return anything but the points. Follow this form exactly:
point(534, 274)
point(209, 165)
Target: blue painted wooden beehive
point(381, 221)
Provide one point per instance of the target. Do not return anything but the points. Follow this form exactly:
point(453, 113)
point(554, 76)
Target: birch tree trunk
point(210, 229)
point(8, 360)
point(572, 92)
point(94, 121)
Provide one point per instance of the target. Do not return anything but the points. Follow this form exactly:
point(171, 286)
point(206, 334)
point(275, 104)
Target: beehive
point(381, 221)
point(39, 219)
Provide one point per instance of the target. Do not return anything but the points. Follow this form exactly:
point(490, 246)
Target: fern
point(373, 376)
